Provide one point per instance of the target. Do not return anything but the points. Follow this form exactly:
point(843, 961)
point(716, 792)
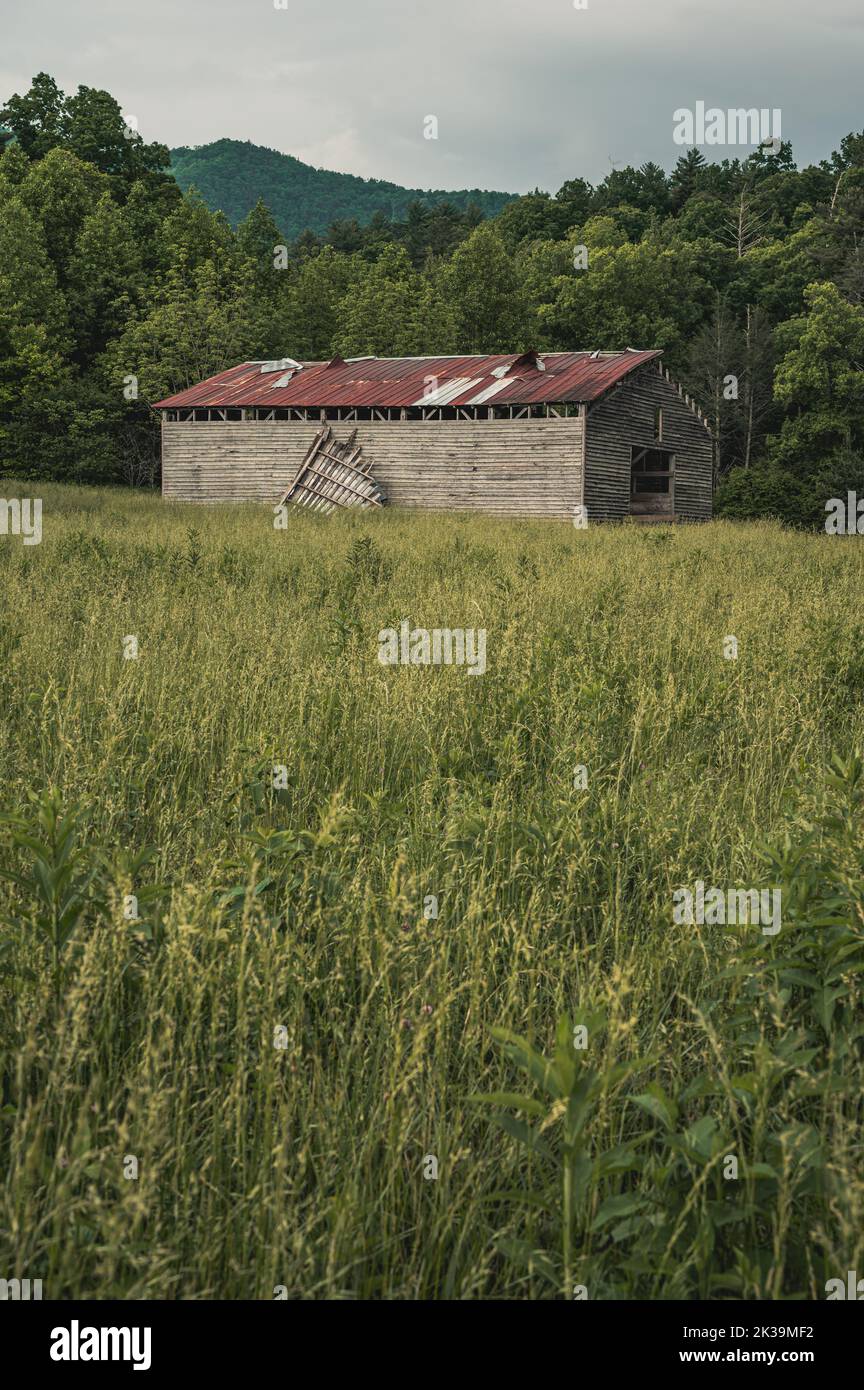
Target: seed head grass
point(255, 1006)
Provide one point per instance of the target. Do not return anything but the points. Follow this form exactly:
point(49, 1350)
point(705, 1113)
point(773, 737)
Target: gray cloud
point(526, 92)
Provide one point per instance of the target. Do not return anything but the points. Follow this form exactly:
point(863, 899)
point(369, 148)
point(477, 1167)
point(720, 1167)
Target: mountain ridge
point(231, 175)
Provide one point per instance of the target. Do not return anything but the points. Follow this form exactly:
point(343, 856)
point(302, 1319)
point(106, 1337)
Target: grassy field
point(288, 1037)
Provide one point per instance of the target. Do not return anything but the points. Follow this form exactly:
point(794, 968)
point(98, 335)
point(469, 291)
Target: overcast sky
point(526, 92)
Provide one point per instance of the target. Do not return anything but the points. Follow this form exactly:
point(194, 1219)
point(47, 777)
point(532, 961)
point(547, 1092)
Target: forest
point(117, 288)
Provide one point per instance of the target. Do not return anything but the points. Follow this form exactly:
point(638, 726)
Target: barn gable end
point(626, 419)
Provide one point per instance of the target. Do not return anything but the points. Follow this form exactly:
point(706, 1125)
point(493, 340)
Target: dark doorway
point(652, 477)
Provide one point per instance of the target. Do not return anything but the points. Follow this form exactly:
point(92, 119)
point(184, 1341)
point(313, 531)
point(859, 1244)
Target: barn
point(531, 434)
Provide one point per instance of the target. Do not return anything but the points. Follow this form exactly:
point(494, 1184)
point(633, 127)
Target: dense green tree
point(14, 167)
point(481, 286)
point(313, 315)
point(540, 266)
point(145, 216)
point(196, 327)
point(837, 249)
point(105, 279)
point(61, 191)
point(575, 200)
point(394, 311)
point(39, 118)
point(646, 189)
point(633, 222)
point(775, 274)
point(29, 294)
point(97, 131)
point(35, 374)
point(259, 238)
point(850, 154)
point(193, 235)
point(820, 381)
point(686, 180)
point(435, 231)
point(536, 217)
point(704, 215)
point(274, 273)
point(346, 234)
point(91, 125)
point(640, 296)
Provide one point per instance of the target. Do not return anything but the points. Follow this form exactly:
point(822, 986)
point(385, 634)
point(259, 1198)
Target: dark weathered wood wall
point(512, 467)
point(626, 417)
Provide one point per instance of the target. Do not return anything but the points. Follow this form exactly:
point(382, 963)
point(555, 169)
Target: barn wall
point(527, 467)
point(626, 417)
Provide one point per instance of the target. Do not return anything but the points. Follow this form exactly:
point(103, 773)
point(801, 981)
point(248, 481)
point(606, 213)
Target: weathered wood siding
point(626, 417)
point(521, 467)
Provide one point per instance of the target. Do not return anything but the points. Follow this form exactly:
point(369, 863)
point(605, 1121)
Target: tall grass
point(299, 1159)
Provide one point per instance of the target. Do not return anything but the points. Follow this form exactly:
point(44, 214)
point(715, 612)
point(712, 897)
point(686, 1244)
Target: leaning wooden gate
point(332, 475)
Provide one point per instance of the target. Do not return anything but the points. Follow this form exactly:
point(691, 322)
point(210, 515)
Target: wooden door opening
point(652, 480)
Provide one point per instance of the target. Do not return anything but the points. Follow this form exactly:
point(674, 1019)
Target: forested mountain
point(231, 176)
point(117, 289)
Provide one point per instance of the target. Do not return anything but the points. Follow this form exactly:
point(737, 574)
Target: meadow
point(241, 1055)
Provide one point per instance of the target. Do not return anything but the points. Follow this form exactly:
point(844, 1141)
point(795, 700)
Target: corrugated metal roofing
point(382, 382)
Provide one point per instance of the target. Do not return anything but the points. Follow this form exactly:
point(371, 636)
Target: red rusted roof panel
point(406, 381)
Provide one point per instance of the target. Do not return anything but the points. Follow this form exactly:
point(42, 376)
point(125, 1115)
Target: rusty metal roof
point(516, 379)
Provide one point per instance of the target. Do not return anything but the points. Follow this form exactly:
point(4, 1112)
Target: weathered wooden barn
point(538, 434)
